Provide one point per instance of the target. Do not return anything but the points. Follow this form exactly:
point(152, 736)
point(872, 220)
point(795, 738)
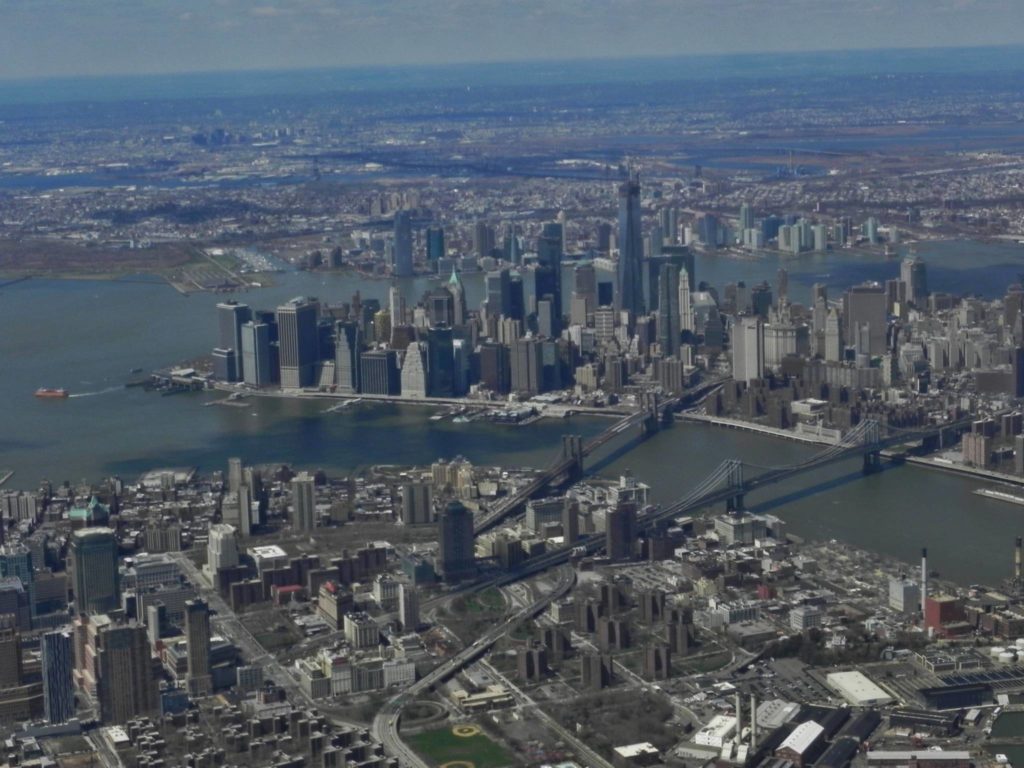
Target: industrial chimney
point(739, 717)
point(753, 723)
point(924, 579)
point(1018, 563)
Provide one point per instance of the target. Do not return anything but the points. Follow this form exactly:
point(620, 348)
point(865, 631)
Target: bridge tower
point(572, 450)
point(735, 482)
point(650, 421)
point(872, 453)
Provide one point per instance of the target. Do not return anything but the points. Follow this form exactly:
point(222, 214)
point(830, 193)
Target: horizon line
point(12, 79)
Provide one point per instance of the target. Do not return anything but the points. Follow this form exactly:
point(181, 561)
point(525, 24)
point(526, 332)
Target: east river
point(87, 336)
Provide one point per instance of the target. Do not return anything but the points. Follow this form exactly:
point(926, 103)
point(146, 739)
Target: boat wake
point(98, 392)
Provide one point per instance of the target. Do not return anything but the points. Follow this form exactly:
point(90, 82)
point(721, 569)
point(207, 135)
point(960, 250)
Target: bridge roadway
point(386, 723)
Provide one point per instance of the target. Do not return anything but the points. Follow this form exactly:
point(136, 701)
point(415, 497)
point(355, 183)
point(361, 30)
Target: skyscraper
point(435, 243)
point(256, 354)
point(668, 310)
point(866, 305)
point(231, 317)
point(16, 560)
point(458, 292)
point(58, 660)
point(630, 295)
point(402, 266)
point(747, 349)
point(346, 357)
point(620, 531)
point(687, 321)
point(414, 371)
point(499, 293)
point(833, 337)
point(408, 607)
point(197, 635)
point(125, 684)
point(10, 652)
point(549, 271)
point(455, 551)
point(746, 216)
point(303, 502)
point(914, 274)
point(527, 366)
point(93, 559)
point(440, 363)
point(221, 549)
point(299, 342)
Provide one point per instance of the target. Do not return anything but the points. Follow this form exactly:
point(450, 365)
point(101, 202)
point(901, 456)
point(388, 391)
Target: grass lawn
point(443, 746)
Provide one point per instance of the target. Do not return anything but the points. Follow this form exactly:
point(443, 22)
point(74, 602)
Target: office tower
point(458, 293)
point(631, 249)
point(833, 337)
point(746, 217)
point(914, 275)
point(256, 354)
point(747, 349)
point(414, 371)
point(687, 321)
point(93, 559)
point(16, 561)
point(866, 305)
point(303, 502)
point(435, 243)
point(549, 272)
point(402, 264)
point(346, 357)
point(10, 652)
point(225, 364)
point(527, 366)
point(820, 237)
point(230, 317)
point(570, 521)
point(499, 293)
point(244, 510)
point(234, 474)
point(408, 607)
point(58, 659)
point(440, 362)
point(416, 503)
point(1017, 358)
point(483, 239)
point(379, 373)
point(455, 551)
point(782, 283)
point(761, 300)
point(125, 684)
point(221, 548)
point(620, 531)
point(584, 291)
point(871, 230)
point(299, 343)
point(668, 310)
point(197, 635)
point(495, 367)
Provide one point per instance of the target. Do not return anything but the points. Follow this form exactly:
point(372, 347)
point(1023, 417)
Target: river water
point(86, 336)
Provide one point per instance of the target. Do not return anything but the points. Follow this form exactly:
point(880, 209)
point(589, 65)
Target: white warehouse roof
point(857, 689)
point(802, 737)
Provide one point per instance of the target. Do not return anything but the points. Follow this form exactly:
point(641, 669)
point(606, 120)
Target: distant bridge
point(728, 483)
point(568, 466)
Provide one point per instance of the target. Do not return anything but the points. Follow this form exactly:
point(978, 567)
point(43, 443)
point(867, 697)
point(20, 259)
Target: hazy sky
point(66, 37)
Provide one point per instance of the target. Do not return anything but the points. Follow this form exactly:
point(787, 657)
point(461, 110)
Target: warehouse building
point(857, 689)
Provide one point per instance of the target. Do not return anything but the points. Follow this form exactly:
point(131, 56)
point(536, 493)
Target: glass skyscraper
point(630, 295)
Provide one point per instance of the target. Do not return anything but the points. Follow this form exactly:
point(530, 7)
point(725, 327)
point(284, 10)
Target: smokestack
point(753, 723)
point(924, 578)
point(739, 717)
point(1018, 562)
